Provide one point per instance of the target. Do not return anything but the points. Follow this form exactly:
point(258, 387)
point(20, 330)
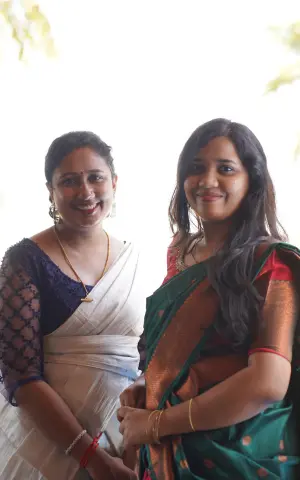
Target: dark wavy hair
point(230, 270)
point(67, 143)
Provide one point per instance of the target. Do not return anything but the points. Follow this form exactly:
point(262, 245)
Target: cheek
point(189, 185)
point(63, 195)
point(239, 188)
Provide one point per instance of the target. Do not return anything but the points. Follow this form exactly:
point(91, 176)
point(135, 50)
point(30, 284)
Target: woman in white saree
point(70, 319)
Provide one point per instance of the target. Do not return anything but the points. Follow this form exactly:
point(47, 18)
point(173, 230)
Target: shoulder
point(281, 261)
point(20, 252)
point(173, 252)
point(179, 246)
point(26, 255)
point(43, 239)
point(116, 244)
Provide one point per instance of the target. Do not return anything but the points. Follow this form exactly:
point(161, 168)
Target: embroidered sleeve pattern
point(20, 337)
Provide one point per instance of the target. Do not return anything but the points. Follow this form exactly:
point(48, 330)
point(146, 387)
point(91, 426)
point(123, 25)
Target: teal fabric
point(262, 447)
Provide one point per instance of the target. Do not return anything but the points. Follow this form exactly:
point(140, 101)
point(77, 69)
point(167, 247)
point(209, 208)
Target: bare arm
point(267, 377)
point(52, 416)
point(243, 395)
point(240, 397)
point(21, 361)
point(59, 425)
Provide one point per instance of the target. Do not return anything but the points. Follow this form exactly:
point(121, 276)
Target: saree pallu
point(186, 356)
point(88, 361)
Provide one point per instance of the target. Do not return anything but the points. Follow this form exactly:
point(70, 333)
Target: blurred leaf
point(297, 148)
point(288, 36)
point(29, 27)
point(287, 76)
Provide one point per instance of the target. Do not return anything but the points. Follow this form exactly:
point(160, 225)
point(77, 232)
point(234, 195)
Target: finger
point(123, 399)
point(120, 419)
point(128, 400)
point(122, 411)
point(122, 428)
point(140, 403)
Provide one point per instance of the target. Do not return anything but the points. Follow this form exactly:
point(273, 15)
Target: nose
point(209, 179)
point(86, 191)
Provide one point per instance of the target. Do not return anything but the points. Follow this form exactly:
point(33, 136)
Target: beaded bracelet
point(79, 437)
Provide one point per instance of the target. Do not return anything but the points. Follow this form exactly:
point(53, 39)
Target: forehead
point(82, 159)
point(219, 148)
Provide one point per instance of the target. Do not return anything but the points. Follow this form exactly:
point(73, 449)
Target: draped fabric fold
point(89, 360)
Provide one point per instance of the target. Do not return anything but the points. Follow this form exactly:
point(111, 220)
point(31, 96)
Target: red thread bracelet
point(89, 451)
point(267, 350)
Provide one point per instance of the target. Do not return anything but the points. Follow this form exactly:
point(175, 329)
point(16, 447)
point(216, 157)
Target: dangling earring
point(113, 211)
point(54, 213)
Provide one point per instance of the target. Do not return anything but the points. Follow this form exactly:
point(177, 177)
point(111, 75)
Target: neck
point(215, 234)
point(76, 238)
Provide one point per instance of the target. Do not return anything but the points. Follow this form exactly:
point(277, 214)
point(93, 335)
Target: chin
point(212, 217)
point(83, 224)
point(214, 220)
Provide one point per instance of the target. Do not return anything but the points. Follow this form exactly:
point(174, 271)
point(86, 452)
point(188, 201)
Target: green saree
point(186, 356)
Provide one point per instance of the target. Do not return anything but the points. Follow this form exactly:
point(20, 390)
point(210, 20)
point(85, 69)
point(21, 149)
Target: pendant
point(87, 299)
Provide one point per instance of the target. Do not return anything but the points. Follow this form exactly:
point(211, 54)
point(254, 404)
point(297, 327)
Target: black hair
point(67, 143)
point(230, 270)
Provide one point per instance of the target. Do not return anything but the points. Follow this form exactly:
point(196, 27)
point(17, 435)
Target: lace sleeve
point(20, 338)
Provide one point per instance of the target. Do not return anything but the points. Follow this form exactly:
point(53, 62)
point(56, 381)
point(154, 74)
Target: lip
point(87, 208)
point(210, 198)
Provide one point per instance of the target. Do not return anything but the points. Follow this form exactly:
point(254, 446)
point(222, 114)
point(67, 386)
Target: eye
point(226, 169)
point(96, 177)
point(69, 182)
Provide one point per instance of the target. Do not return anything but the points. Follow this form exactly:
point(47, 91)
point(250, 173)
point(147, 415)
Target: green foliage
point(288, 75)
point(290, 38)
point(27, 26)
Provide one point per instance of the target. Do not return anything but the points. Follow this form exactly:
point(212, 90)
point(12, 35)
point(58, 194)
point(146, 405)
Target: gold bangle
point(156, 430)
point(190, 414)
point(149, 418)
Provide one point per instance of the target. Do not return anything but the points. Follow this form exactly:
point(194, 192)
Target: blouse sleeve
point(172, 270)
point(280, 309)
point(20, 338)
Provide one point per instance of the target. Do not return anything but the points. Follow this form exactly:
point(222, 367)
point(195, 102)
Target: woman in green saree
point(218, 397)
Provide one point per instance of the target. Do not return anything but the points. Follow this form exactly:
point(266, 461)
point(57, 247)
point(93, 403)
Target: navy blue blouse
point(36, 297)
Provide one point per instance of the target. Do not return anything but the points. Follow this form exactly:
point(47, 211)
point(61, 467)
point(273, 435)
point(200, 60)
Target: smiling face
point(216, 182)
point(82, 189)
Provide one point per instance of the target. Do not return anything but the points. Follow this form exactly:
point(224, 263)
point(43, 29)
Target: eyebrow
point(219, 160)
point(76, 174)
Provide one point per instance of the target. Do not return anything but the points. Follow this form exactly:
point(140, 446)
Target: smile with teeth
point(87, 208)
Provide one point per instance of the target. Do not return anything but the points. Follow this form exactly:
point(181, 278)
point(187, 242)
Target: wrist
point(100, 460)
point(164, 430)
point(176, 420)
point(90, 452)
point(81, 447)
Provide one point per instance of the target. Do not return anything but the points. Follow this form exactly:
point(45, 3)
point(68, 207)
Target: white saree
point(89, 361)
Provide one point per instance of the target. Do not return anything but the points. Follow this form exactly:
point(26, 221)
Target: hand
point(135, 395)
point(130, 457)
point(103, 466)
point(135, 426)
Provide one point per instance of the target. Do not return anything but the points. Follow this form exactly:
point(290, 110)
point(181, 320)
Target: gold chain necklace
point(86, 298)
